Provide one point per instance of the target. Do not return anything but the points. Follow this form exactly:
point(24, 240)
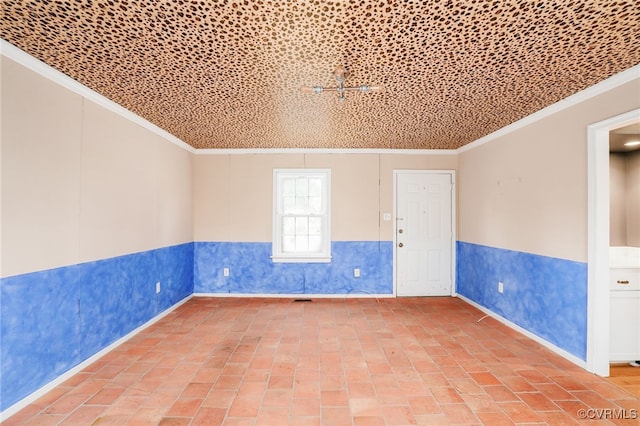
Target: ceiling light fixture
point(632, 143)
point(341, 75)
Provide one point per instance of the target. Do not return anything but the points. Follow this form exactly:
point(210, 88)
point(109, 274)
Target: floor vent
point(302, 300)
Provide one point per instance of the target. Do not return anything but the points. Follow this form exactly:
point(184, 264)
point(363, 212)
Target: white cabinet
point(624, 314)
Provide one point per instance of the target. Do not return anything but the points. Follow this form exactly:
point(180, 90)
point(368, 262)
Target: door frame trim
point(598, 240)
point(452, 174)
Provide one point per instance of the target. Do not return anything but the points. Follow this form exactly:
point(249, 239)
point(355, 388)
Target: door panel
point(424, 234)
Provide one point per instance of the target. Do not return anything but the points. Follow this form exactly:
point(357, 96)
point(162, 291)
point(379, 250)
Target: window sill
point(288, 259)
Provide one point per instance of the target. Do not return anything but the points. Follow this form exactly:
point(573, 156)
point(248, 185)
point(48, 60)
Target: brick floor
point(404, 361)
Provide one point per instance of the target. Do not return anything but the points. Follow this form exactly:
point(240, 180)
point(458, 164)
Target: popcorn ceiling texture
point(227, 74)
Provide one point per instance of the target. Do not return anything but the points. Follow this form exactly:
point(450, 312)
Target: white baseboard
point(4, 415)
point(297, 295)
point(564, 354)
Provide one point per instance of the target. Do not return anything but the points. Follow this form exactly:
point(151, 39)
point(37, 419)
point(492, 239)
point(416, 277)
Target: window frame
point(277, 254)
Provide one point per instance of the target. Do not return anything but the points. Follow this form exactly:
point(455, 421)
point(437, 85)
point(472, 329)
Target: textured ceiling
point(227, 74)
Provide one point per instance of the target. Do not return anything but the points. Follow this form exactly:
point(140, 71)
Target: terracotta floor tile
point(175, 421)
point(517, 384)
point(334, 398)
point(495, 419)
point(256, 361)
point(560, 418)
point(423, 405)
point(147, 416)
point(481, 403)
point(270, 416)
point(591, 399)
point(304, 421)
point(366, 390)
point(281, 382)
point(519, 412)
point(89, 386)
point(83, 415)
point(500, 393)
point(459, 414)
point(570, 384)
point(446, 395)
point(554, 392)
point(239, 421)
point(336, 416)
point(435, 379)
point(305, 407)
point(124, 406)
point(184, 408)
point(534, 376)
point(66, 404)
point(277, 397)
point(368, 421)
point(45, 420)
point(228, 383)
point(365, 407)
point(391, 396)
point(537, 401)
point(106, 396)
point(245, 407)
point(399, 415)
point(466, 386)
point(610, 391)
point(484, 379)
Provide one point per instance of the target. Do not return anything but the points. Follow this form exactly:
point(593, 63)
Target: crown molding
point(326, 151)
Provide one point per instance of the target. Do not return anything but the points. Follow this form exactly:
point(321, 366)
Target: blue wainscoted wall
point(253, 272)
point(544, 295)
point(53, 320)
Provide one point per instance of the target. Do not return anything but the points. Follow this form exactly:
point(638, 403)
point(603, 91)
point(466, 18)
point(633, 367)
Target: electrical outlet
point(225, 272)
point(356, 273)
point(500, 287)
point(158, 287)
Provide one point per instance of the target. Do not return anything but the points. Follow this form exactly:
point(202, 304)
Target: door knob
point(399, 231)
point(400, 245)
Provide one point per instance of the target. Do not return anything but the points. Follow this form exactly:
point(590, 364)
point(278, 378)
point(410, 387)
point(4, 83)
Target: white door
point(424, 233)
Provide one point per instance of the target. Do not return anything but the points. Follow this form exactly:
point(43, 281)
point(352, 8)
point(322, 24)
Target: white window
point(301, 215)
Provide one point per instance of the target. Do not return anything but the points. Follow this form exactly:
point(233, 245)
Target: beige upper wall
point(527, 190)
point(41, 146)
point(233, 194)
point(81, 183)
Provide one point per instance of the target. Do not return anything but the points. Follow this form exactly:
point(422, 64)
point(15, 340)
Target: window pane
point(315, 187)
point(315, 243)
point(302, 243)
point(315, 226)
point(289, 244)
point(288, 225)
point(315, 205)
point(302, 205)
point(288, 187)
point(302, 225)
point(302, 187)
point(288, 205)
